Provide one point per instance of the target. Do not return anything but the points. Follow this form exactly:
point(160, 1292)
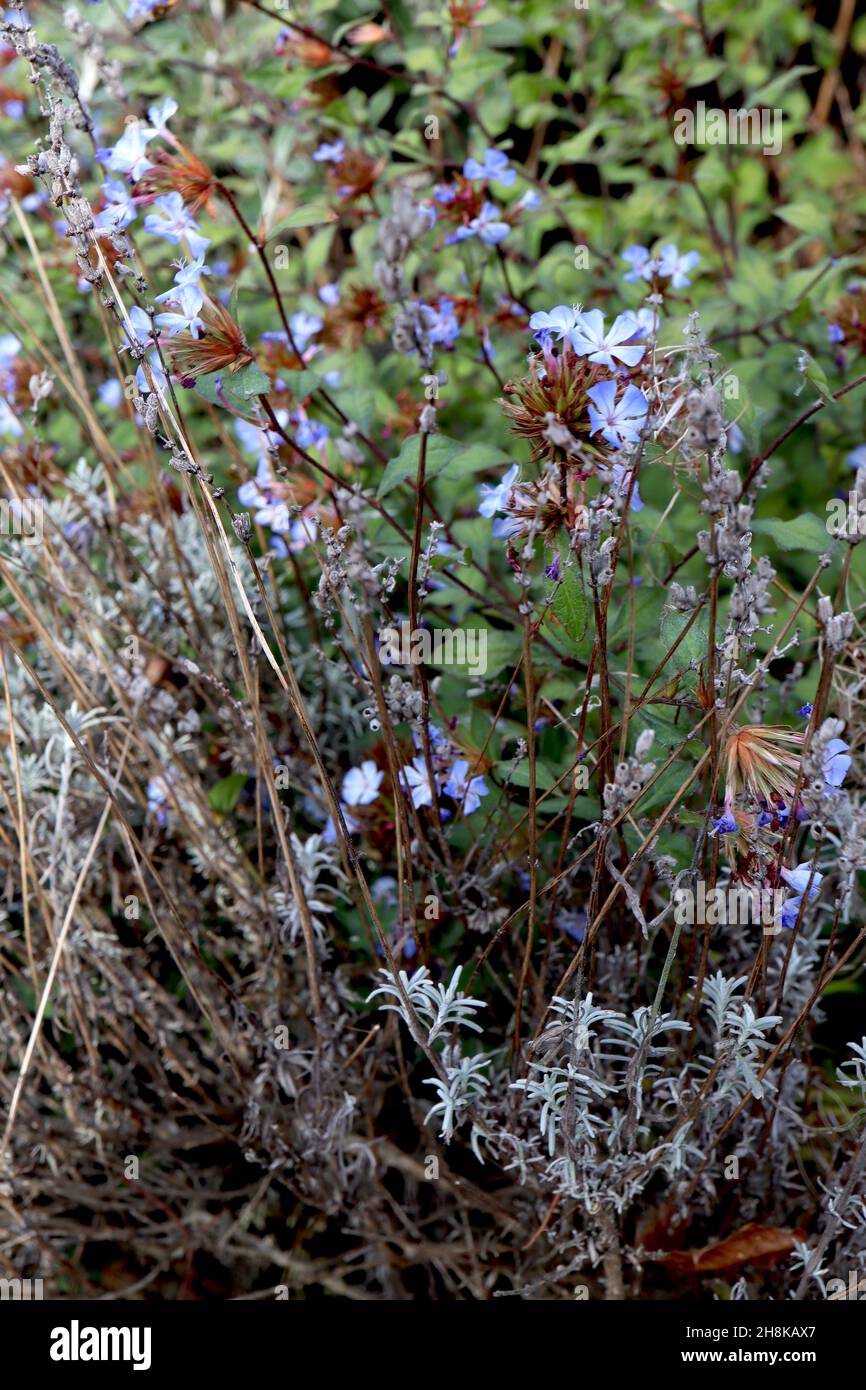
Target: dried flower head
point(759, 764)
point(221, 348)
point(554, 386)
point(181, 172)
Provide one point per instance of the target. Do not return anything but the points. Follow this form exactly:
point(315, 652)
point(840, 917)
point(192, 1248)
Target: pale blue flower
point(589, 339)
point(799, 879)
point(174, 222)
point(559, 322)
point(116, 192)
point(161, 113)
point(110, 393)
point(142, 329)
point(736, 439)
point(622, 482)
point(10, 425)
point(186, 320)
point(158, 794)
point(253, 440)
point(641, 262)
point(415, 781)
point(188, 273)
point(836, 764)
point(486, 226)
point(495, 499)
point(311, 434)
point(304, 326)
point(140, 9)
point(468, 791)
point(250, 494)
point(329, 834)
point(330, 154)
point(619, 421)
point(725, 823)
point(157, 375)
point(113, 219)
point(573, 923)
point(676, 266)
point(128, 155)
point(442, 325)
point(361, 784)
point(790, 912)
point(646, 321)
point(10, 346)
point(301, 532)
point(494, 165)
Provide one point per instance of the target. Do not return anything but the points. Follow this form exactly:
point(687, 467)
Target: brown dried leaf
point(750, 1244)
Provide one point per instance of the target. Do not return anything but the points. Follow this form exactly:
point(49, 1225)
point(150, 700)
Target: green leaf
point(569, 602)
point(225, 794)
point(665, 789)
point(502, 649)
point(817, 377)
point(662, 720)
point(313, 215)
point(446, 457)
point(705, 70)
point(545, 777)
point(842, 987)
point(771, 91)
point(252, 381)
point(474, 459)
point(358, 404)
point(236, 388)
point(806, 217)
point(807, 532)
point(301, 383)
point(440, 451)
point(443, 561)
point(577, 147)
point(473, 69)
point(693, 646)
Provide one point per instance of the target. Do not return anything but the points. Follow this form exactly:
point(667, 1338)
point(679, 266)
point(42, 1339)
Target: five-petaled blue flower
point(494, 165)
point(330, 154)
point(589, 339)
point(676, 266)
point(188, 300)
point(465, 789)
point(173, 221)
point(558, 323)
point(441, 322)
point(129, 155)
point(619, 420)
point(486, 226)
